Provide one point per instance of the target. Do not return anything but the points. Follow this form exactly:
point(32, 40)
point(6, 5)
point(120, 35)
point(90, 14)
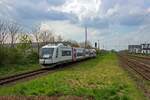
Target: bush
point(17, 56)
point(13, 56)
point(3, 55)
point(32, 57)
point(10, 56)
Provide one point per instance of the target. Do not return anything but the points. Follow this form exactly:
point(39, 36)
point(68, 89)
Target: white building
point(134, 48)
point(145, 48)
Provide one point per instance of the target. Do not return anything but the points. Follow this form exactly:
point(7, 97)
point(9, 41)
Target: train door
point(74, 54)
point(57, 55)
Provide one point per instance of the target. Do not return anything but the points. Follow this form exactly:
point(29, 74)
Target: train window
point(79, 54)
point(56, 52)
point(47, 51)
point(66, 53)
point(87, 52)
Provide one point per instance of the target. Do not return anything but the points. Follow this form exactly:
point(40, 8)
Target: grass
point(142, 55)
point(100, 78)
point(16, 69)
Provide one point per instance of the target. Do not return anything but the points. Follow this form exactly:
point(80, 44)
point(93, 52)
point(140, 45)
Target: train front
point(46, 55)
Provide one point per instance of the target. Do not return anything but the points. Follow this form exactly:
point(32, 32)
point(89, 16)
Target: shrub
point(32, 57)
point(3, 55)
point(17, 56)
point(10, 56)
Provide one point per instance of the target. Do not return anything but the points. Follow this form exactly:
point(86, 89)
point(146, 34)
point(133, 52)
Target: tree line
point(16, 45)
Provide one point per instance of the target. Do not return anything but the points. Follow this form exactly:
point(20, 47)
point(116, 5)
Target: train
point(54, 54)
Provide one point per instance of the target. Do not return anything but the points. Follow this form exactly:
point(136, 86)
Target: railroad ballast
point(59, 53)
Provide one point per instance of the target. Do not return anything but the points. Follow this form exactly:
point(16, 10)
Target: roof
point(55, 45)
point(134, 46)
point(145, 44)
point(52, 45)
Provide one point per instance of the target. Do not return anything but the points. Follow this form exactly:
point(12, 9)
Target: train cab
point(55, 54)
point(47, 54)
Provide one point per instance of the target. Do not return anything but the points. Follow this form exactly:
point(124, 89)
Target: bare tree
point(24, 42)
point(88, 44)
point(59, 38)
point(73, 43)
point(3, 32)
point(36, 33)
point(13, 29)
point(47, 36)
point(42, 36)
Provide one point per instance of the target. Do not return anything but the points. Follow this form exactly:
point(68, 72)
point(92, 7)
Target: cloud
point(56, 2)
point(97, 23)
point(113, 22)
point(65, 29)
point(128, 15)
point(94, 13)
point(83, 9)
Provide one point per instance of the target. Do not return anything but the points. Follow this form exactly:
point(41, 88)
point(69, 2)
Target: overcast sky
point(115, 23)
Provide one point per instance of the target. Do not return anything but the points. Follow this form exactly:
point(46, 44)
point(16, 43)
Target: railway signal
point(95, 44)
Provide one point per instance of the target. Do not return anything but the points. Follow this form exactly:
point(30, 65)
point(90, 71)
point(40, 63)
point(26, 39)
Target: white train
point(58, 54)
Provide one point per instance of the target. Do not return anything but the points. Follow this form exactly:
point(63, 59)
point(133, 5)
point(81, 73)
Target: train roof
point(54, 45)
point(61, 45)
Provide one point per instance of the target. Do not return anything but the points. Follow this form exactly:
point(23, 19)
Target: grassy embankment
point(99, 78)
point(8, 70)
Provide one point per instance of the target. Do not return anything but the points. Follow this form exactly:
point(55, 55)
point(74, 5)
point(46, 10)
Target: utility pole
point(85, 36)
point(98, 44)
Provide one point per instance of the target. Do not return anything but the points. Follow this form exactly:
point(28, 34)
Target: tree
point(28, 55)
point(13, 29)
point(73, 43)
point(88, 44)
point(3, 32)
point(36, 34)
point(59, 38)
point(42, 37)
point(46, 36)
point(24, 42)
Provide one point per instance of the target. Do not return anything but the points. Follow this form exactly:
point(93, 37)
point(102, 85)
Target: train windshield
point(47, 52)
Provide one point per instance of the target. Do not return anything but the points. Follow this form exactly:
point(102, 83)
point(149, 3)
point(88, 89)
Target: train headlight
point(47, 56)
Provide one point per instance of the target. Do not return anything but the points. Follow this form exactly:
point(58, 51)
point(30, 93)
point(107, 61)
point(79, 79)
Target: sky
point(115, 23)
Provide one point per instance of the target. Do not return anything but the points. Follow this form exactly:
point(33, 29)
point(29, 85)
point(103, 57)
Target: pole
point(85, 36)
point(98, 44)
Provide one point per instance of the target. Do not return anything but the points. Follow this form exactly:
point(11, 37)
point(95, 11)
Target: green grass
point(16, 69)
point(100, 78)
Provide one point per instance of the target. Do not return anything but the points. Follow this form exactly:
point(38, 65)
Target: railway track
point(142, 60)
point(139, 67)
point(13, 78)
point(141, 57)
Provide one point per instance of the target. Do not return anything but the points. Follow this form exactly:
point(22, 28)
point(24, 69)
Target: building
point(143, 48)
point(134, 48)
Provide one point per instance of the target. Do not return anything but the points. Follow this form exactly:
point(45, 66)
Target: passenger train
point(53, 54)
